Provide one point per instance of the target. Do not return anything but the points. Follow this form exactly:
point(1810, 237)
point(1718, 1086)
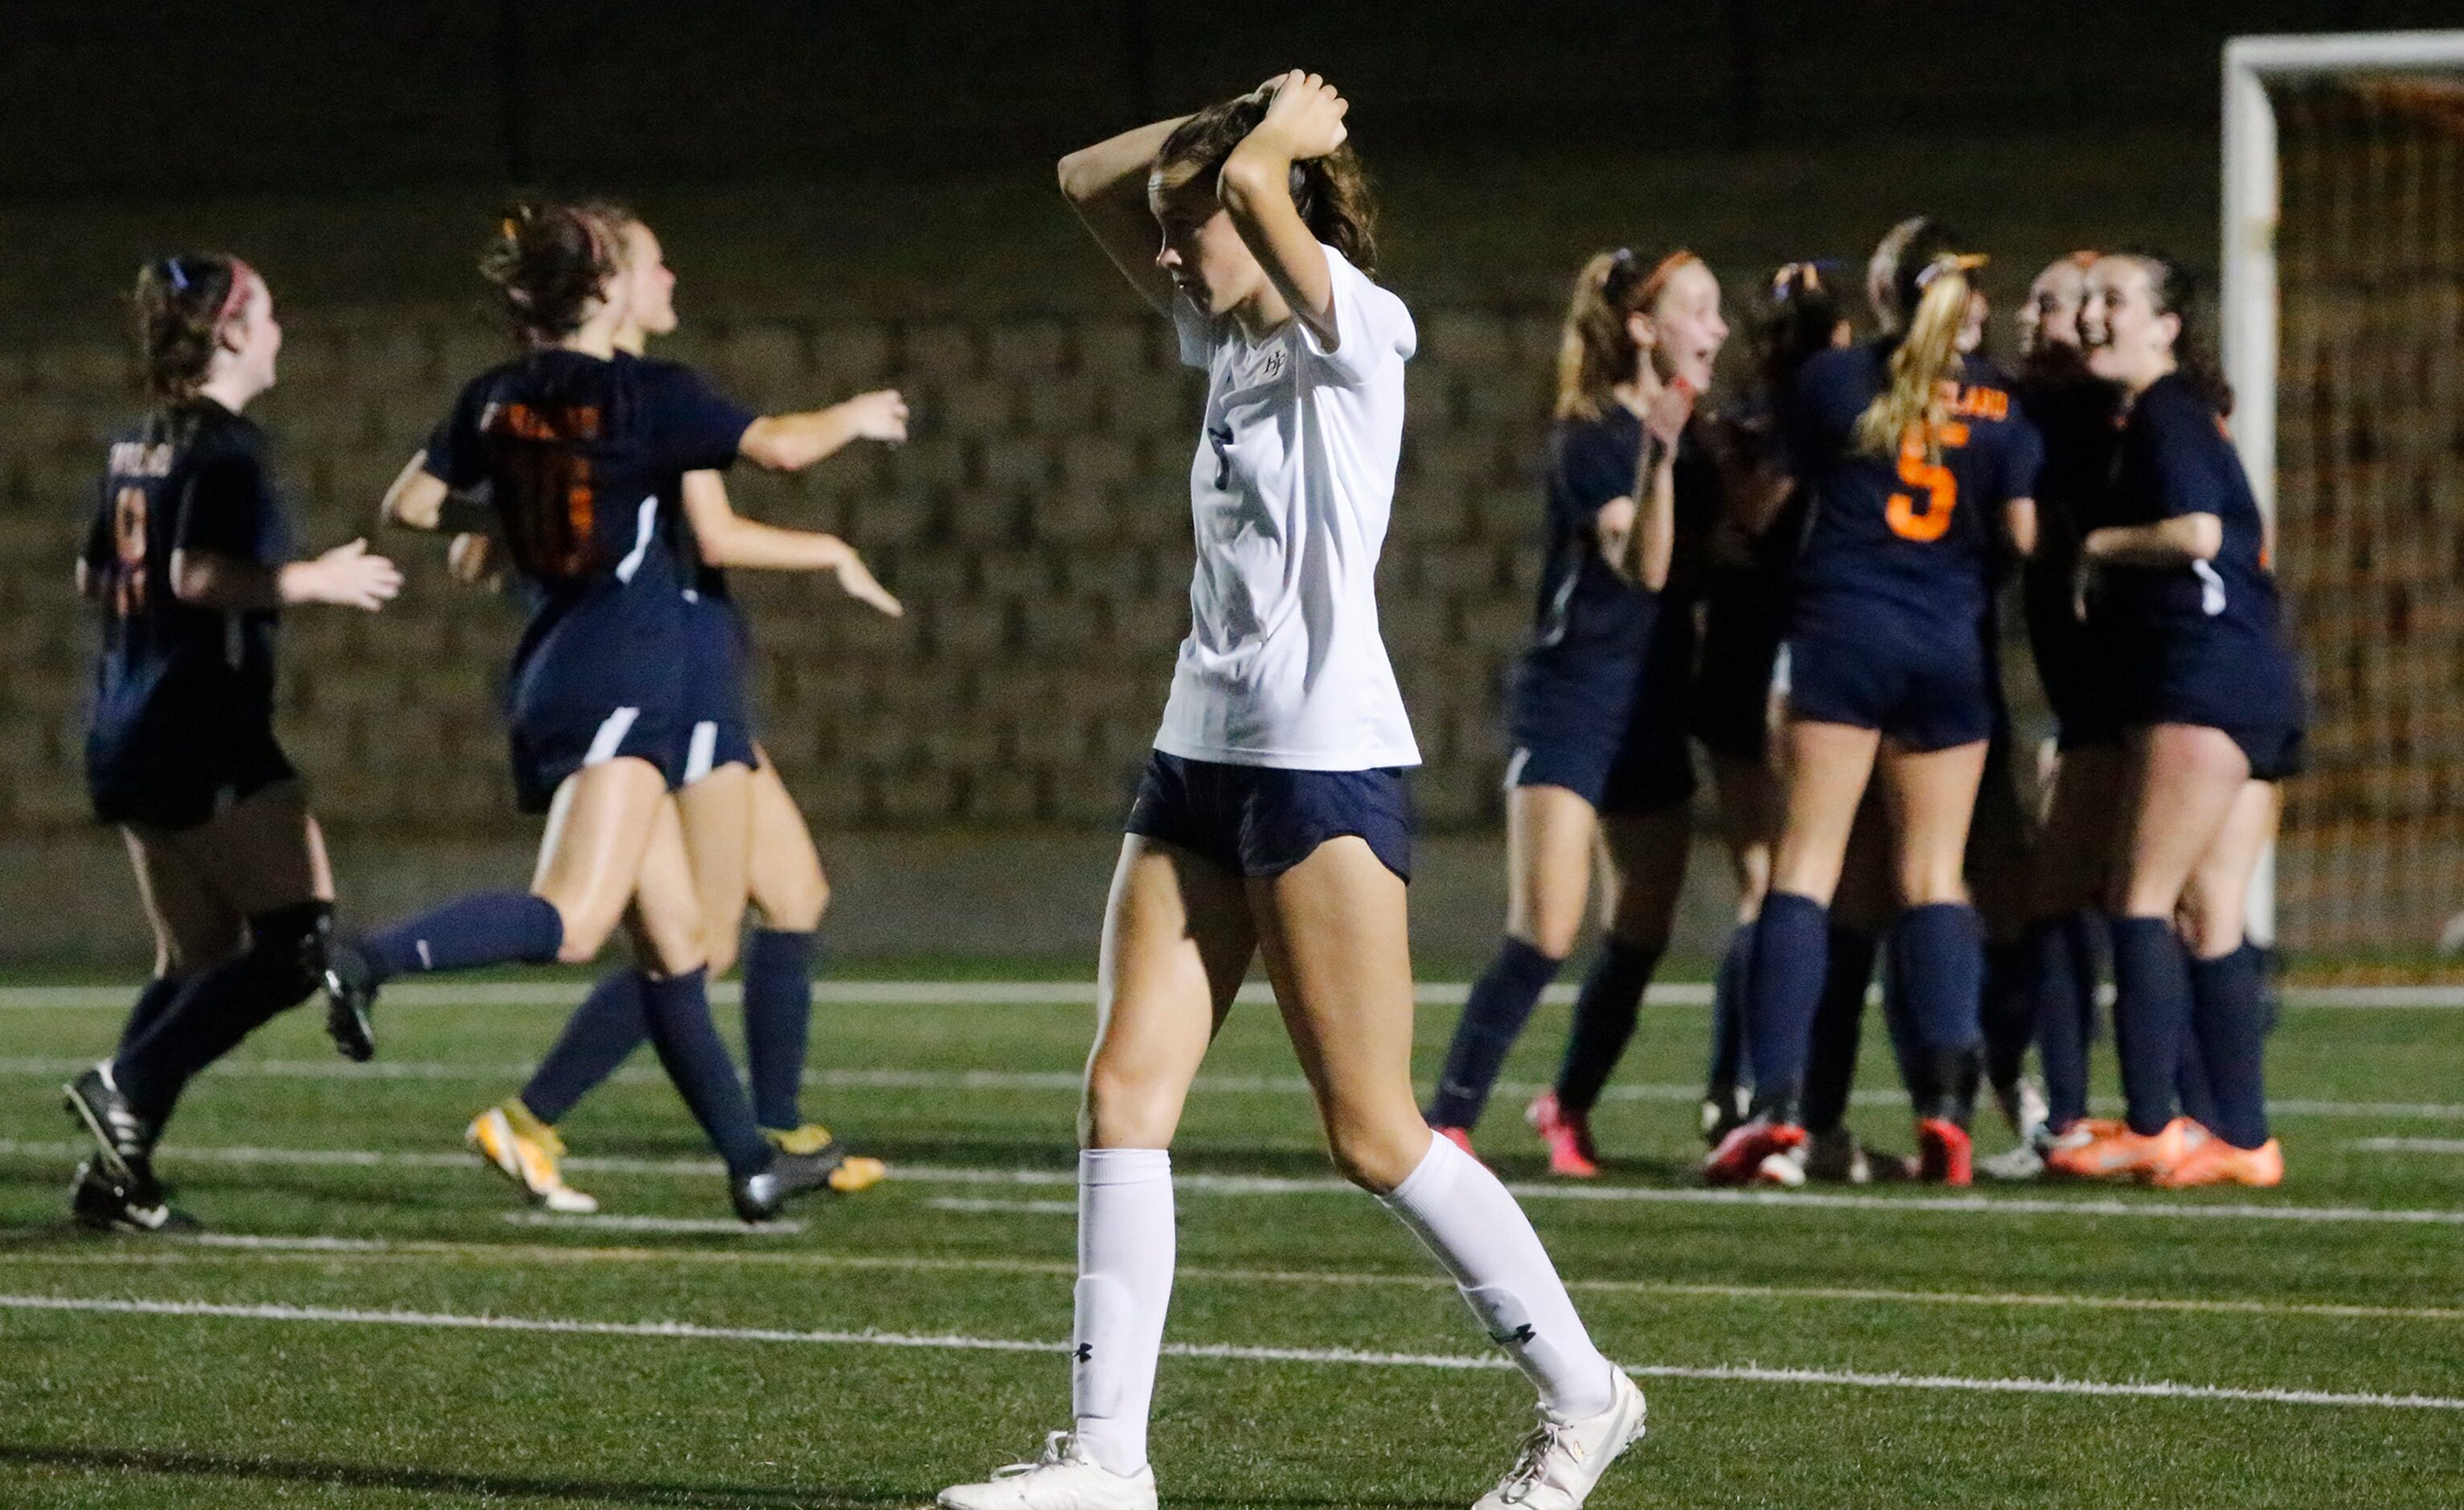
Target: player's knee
point(1927, 885)
point(718, 952)
point(1126, 1110)
point(287, 948)
point(1551, 934)
point(795, 906)
point(1379, 1157)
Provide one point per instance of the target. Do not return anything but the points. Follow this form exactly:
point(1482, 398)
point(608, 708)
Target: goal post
point(2341, 318)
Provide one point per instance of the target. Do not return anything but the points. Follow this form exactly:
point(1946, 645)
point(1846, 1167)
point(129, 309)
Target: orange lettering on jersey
point(1941, 489)
point(1981, 403)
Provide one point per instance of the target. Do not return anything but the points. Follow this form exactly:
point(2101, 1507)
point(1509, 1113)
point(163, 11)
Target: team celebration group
point(1797, 570)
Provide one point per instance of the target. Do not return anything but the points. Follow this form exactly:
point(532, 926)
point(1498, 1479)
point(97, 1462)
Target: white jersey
point(1289, 493)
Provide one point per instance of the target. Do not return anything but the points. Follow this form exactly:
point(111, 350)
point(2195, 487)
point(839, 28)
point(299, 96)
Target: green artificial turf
point(321, 1399)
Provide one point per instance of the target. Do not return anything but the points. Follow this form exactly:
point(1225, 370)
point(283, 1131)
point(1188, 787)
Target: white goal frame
point(2247, 320)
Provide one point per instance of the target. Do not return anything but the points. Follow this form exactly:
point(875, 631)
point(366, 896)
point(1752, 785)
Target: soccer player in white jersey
point(1272, 817)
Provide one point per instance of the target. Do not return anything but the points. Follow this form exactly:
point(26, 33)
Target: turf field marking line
point(1244, 1185)
point(578, 1221)
point(1743, 1374)
point(958, 1203)
point(414, 1249)
point(2408, 1145)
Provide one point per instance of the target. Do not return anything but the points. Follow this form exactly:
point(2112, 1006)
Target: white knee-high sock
point(1482, 1238)
point(1125, 1257)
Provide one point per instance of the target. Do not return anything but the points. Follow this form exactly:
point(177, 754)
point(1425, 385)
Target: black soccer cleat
point(103, 1204)
point(350, 1000)
point(122, 1142)
point(762, 1195)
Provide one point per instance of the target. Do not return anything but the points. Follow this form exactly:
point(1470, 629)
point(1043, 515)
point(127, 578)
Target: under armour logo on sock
point(1521, 1334)
point(1086, 1352)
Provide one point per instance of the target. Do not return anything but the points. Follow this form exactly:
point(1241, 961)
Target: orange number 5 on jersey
point(1941, 491)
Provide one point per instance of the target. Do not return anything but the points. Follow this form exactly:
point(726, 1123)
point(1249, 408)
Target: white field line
point(977, 1206)
point(2408, 1145)
point(242, 1248)
point(1068, 993)
point(1746, 1373)
point(1068, 1081)
point(1243, 1185)
point(578, 1221)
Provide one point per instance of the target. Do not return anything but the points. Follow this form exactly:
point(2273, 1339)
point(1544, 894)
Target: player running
point(189, 559)
point(1910, 454)
point(573, 447)
point(1272, 817)
point(1597, 711)
point(743, 835)
point(2212, 704)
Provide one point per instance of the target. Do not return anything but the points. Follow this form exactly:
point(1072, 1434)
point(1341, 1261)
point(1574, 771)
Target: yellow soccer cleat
point(525, 1150)
point(849, 1172)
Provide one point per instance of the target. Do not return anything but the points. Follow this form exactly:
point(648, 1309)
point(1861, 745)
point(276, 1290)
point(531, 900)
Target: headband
point(1622, 263)
point(1949, 262)
point(237, 296)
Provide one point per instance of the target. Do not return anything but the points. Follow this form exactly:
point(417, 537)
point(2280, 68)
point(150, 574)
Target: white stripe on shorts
point(647, 521)
point(1514, 767)
point(611, 734)
point(697, 753)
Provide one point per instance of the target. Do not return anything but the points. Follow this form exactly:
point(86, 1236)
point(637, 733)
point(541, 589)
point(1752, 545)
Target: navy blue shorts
point(2256, 700)
point(549, 747)
point(2076, 666)
point(1260, 820)
point(1745, 621)
point(1573, 735)
point(183, 785)
point(1919, 695)
point(717, 720)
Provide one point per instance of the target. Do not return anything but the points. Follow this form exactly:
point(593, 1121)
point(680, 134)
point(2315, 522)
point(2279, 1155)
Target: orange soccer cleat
point(2122, 1154)
point(1945, 1154)
point(2212, 1161)
point(1568, 1135)
point(1460, 1138)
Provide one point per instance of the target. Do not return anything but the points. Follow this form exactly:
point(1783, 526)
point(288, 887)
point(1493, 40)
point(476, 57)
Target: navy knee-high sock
point(1783, 986)
point(2062, 986)
point(2191, 1091)
point(1501, 1003)
point(1729, 1067)
point(2008, 1012)
point(1605, 1012)
point(778, 1021)
point(2228, 1017)
point(487, 927)
point(1938, 958)
point(1837, 1029)
point(152, 1003)
point(2151, 1016)
point(1918, 1072)
point(677, 1011)
point(220, 1007)
point(602, 1033)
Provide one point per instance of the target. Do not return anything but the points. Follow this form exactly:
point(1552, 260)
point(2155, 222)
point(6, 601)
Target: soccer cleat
point(1568, 1135)
point(1064, 1478)
point(1945, 1154)
point(1832, 1155)
point(122, 1142)
point(1560, 1462)
point(847, 1173)
point(350, 1000)
point(1781, 1170)
point(2023, 1106)
point(1724, 1111)
point(2212, 1161)
point(2122, 1154)
point(2024, 1162)
point(525, 1150)
point(104, 1204)
point(1739, 1157)
point(1460, 1138)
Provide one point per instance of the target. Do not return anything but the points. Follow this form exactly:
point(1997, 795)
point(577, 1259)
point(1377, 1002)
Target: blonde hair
point(1926, 355)
point(1595, 351)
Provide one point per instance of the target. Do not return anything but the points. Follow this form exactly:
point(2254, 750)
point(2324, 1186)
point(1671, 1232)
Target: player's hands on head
point(348, 576)
point(880, 415)
point(1305, 118)
point(857, 581)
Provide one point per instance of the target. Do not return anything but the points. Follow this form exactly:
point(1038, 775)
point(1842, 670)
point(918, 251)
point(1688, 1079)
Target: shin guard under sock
point(677, 1011)
point(1783, 986)
point(488, 927)
point(778, 1021)
point(1837, 1027)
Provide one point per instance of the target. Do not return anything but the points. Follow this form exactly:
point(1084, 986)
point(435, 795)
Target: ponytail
point(1925, 356)
point(550, 263)
point(179, 308)
point(1594, 350)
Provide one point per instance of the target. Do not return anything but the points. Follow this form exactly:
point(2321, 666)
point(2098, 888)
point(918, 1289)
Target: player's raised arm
point(725, 538)
point(1303, 121)
point(1107, 184)
point(793, 443)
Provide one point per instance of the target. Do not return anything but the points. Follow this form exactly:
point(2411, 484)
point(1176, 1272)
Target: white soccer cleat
point(1561, 1460)
point(1064, 1478)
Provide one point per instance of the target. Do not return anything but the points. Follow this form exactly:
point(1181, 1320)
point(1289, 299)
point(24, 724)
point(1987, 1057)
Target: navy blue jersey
point(2079, 417)
point(582, 459)
point(1587, 611)
point(2207, 632)
point(1905, 536)
point(178, 684)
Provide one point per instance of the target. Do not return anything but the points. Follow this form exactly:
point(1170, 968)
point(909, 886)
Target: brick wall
point(1036, 526)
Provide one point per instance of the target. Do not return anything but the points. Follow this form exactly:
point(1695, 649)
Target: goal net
point(2344, 336)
